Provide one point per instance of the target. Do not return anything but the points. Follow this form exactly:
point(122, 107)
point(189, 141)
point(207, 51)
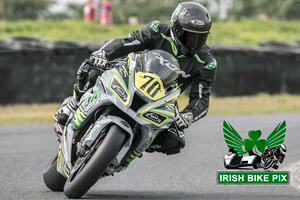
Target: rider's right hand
point(98, 59)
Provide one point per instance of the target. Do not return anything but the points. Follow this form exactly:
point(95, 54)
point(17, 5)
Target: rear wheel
point(88, 171)
point(52, 178)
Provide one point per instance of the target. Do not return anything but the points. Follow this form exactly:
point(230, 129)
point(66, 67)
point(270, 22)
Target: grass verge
point(246, 105)
point(248, 32)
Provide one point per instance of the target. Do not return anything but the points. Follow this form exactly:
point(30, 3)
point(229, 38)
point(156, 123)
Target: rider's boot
point(169, 142)
point(68, 106)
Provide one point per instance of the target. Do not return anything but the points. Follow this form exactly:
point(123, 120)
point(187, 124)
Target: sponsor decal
point(122, 72)
point(93, 96)
point(165, 62)
point(155, 118)
point(120, 91)
point(197, 23)
point(183, 74)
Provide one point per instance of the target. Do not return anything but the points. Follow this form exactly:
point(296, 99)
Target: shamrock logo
point(255, 142)
point(235, 141)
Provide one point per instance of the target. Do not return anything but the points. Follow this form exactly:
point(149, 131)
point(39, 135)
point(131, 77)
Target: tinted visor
point(193, 40)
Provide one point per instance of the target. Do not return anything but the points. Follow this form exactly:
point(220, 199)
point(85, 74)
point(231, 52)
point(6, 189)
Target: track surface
point(191, 174)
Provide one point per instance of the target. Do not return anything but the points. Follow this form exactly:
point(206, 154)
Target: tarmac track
point(191, 174)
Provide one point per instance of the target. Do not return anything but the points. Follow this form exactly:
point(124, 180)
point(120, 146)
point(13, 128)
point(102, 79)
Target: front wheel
point(52, 178)
point(88, 173)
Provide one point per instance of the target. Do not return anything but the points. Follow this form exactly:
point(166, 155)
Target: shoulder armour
point(155, 26)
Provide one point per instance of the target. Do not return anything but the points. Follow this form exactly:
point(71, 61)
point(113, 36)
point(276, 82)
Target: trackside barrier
point(249, 71)
point(34, 70)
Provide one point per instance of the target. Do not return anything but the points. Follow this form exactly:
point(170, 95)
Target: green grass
point(247, 105)
point(247, 32)
point(250, 105)
point(64, 30)
point(251, 32)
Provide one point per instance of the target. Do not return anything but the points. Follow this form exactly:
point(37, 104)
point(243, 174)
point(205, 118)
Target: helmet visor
point(193, 40)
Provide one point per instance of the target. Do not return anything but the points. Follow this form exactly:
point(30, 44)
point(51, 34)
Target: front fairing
point(127, 90)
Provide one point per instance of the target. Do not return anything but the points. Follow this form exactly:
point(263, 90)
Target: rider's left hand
point(99, 59)
point(184, 120)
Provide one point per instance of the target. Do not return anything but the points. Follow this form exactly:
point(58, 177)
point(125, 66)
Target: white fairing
point(227, 159)
point(248, 160)
point(245, 161)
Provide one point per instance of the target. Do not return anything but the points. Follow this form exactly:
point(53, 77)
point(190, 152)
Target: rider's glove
point(184, 120)
point(98, 59)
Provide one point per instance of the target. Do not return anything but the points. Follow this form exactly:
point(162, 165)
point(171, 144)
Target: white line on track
point(294, 169)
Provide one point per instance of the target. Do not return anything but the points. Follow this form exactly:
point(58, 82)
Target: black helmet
point(283, 148)
point(160, 63)
point(190, 27)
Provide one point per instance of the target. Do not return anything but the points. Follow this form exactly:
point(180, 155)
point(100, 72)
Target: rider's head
point(190, 27)
point(283, 148)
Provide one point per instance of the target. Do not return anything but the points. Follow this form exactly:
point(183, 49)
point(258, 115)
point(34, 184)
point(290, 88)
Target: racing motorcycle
point(271, 159)
point(115, 122)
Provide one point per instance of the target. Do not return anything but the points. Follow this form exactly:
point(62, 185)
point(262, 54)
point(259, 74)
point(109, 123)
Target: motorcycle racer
point(276, 153)
point(185, 38)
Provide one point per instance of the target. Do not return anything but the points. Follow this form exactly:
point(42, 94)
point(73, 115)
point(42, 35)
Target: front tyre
point(52, 178)
point(80, 181)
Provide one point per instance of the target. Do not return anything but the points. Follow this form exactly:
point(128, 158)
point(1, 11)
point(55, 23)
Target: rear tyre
point(80, 181)
point(52, 178)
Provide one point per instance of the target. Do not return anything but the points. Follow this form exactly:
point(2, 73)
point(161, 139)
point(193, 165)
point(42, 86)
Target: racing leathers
point(198, 70)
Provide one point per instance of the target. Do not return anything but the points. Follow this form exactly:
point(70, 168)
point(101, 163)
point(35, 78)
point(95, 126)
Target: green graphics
point(238, 177)
point(133, 156)
point(212, 65)
point(174, 48)
point(78, 118)
point(198, 59)
point(93, 96)
point(155, 26)
point(80, 115)
point(235, 141)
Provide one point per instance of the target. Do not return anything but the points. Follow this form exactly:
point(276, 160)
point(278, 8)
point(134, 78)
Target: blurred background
point(256, 44)
point(146, 10)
